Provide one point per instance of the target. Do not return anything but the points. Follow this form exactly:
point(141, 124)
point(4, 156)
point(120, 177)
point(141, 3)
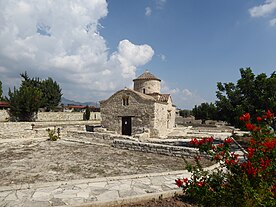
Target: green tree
point(185, 113)
point(205, 111)
point(1, 91)
point(252, 94)
point(24, 103)
point(87, 113)
point(32, 95)
point(51, 94)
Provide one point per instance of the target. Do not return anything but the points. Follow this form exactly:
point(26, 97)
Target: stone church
point(140, 110)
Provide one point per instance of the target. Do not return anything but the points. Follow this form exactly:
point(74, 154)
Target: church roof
point(147, 76)
point(160, 97)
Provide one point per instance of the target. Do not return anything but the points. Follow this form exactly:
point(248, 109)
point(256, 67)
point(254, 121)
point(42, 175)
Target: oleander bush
point(249, 180)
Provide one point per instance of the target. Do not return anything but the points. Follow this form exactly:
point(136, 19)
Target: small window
point(144, 90)
point(125, 101)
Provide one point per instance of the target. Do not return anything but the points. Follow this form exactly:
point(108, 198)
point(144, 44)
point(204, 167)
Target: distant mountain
point(67, 102)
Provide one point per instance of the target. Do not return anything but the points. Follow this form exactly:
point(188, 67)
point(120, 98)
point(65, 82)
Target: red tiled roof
point(4, 104)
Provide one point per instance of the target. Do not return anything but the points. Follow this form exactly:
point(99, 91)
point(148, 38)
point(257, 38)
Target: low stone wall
point(15, 130)
point(65, 116)
point(100, 137)
point(4, 116)
point(155, 148)
point(56, 116)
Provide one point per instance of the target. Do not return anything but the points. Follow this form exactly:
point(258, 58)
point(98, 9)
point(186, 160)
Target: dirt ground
point(175, 201)
point(46, 161)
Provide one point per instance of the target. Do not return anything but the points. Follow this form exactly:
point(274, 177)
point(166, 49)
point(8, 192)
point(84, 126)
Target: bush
point(87, 113)
point(236, 182)
point(52, 135)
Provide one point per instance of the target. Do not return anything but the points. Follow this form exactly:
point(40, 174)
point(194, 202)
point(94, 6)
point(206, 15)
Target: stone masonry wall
point(140, 110)
point(56, 116)
point(65, 116)
point(150, 86)
point(160, 121)
point(155, 148)
point(18, 130)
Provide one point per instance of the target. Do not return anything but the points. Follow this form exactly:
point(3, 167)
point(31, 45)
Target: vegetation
point(236, 182)
point(87, 113)
point(24, 103)
point(252, 94)
point(32, 95)
point(185, 113)
point(51, 94)
point(205, 112)
point(1, 91)
point(52, 135)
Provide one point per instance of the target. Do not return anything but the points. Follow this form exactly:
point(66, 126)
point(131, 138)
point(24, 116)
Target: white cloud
point(163, 57)
point(65, 44)
point(272, 22)
point(148, 11)
point(160, 4)
point(267, 8)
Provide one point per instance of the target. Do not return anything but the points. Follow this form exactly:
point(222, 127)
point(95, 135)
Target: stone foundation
point(155, 148)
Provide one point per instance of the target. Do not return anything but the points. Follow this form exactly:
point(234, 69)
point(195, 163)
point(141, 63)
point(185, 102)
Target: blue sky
point(189, 44)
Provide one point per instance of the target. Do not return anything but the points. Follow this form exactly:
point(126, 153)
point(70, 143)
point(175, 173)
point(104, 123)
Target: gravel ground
point(35, 161)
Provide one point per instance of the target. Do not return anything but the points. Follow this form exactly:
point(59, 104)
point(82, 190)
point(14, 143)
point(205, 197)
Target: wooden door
point(126, 125)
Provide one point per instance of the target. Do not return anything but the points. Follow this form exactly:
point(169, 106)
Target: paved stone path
point(91, 192)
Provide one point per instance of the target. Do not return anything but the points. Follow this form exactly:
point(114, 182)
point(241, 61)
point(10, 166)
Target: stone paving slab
point(90, 192)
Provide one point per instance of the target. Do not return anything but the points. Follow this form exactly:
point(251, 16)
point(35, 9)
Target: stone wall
point(129, 143)
point(160, 121)
point(4, 116)
point(99, 137)
point(141, 111)
point(18, 130)
point(56, 116)
point(65, 116)
point(147, 86)
point(155, 148)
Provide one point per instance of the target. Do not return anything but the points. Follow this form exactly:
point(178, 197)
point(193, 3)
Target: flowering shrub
point(248, 180)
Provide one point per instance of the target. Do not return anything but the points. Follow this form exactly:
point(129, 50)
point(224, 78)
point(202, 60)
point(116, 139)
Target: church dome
point(147, 76)
point(147, 83)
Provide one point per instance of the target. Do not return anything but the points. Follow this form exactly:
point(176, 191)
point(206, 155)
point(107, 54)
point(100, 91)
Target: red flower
point(209, 139)
point(185, 180)
point(245, 117)
point(259, 118)
point(250, 127)
point(200, 184)
point(250, 151)
point(228, 140)
point(268, 115)
point(179, 183)
point(220, 145)
point(194, 141)
point(270, 144)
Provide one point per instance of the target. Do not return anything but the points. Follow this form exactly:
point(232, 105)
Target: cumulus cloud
point(148, 11)
point(160, 4)
point(272, 22)
point(182, 97)
point(65, 44)
point(267, 8)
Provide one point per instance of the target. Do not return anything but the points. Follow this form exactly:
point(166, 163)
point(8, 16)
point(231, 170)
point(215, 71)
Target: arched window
point(125, 101)
point(144, 90)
